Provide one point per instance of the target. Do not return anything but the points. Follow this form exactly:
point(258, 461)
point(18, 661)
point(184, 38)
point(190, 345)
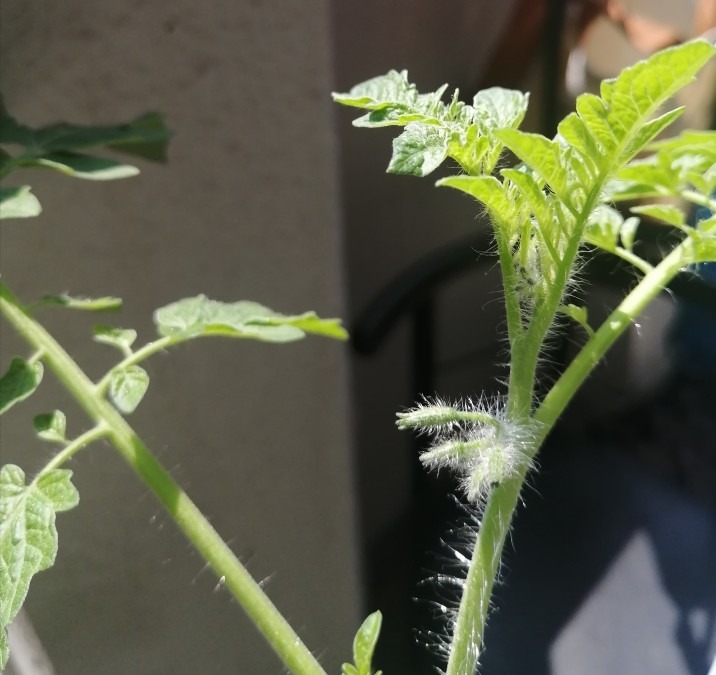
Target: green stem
point(145, 352)
point(94, 434)
point(284, 640)
point(484, 566)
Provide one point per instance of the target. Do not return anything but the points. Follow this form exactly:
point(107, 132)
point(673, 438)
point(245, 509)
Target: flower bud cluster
point(474, 439)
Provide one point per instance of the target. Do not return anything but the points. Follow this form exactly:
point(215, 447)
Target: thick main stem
point(277, 631)
point(484, 566)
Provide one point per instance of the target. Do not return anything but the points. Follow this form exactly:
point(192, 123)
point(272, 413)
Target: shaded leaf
point(28, 536)
point(18, 202)
point(127, 387)
point(200, 316)
point(51, 426)
point(19, 382)
point(106, 304)
point(122, 338)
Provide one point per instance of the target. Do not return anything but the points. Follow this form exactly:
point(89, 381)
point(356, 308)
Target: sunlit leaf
point(106, 304)
point(200, 316)
point(18, 202)
point(419, 150)
point(28, 536)
point(127, 387)
point(88, 167)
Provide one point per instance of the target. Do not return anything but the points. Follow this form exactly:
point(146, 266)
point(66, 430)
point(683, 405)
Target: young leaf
point(121, 338)
point(88, 167)
point(51, 426)
point(349, 669)
point(28, 536)
point(18, 202)
point(106, 304)
point(127, 387)
point(663, 212)
point(20, 380)
point(364, 643)
point(419, 150)
point(380, 92)
point(200, 316)
point(578, 314)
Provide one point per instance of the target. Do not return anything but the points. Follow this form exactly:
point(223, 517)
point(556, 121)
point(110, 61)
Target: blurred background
point(271, 195)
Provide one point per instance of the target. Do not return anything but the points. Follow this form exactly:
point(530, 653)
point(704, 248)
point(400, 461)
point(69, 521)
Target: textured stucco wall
point(258, 434)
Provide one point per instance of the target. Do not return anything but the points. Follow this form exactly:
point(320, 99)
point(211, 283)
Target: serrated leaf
point(28, 536)
point(51, 426)
point(200, 316)
point(18, 202)
point(468, 149)
point(378, 92)
point(19, 382)
point(499, 108)
point(663, 212)
point(122, 338)
point(419, 150)
point(487, 189)
point(365, 641)
point(88, 167)
point(106, 304)
point(127, 387)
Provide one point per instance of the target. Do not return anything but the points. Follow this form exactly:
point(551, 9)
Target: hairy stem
point(279, 634)
point(484, 566)
point(90, 436)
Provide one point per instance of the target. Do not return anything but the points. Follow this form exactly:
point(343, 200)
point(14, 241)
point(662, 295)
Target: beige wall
point(258, 434)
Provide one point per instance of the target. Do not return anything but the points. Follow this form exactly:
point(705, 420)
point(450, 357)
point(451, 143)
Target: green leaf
point(4, 648)
point(51, 426)
point(127, 387)
point(379, 92)
point(122, 338)
point(498, 108)
point(578, 314)
point(349, 669)
point(419, 150)
point(28, 536)
point(637, 93)
point(19, 382)
point(664, 212)
point(18, 202)
point(364, 643)
point(88, 167)
point(200, 316)
point(106, 304)
point(487, 189)
point(604, 227)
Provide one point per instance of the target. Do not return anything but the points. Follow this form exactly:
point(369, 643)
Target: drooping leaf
point(28, 536)
point(121, 338)
point(79, 165)
point(19, 382)
point(106, 304)
point(18, 202)
point(147, 136)
point(127, 387)
point(200, 316)
point(51, 426)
